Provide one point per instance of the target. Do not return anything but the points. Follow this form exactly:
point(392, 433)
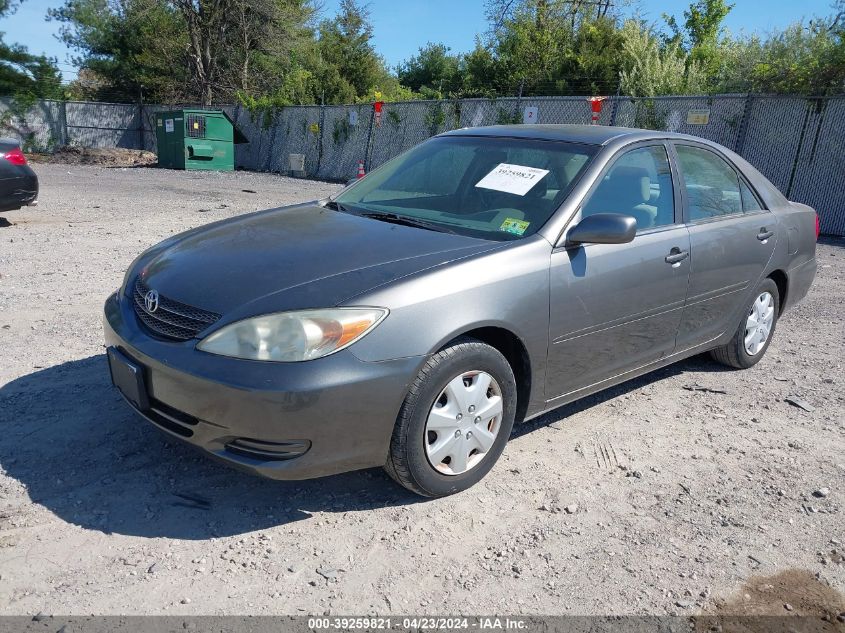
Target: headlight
point(289, 337)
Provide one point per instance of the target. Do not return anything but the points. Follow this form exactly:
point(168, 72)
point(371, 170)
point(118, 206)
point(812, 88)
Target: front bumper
point(279, 420)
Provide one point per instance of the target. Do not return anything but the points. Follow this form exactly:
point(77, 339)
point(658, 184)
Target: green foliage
point(701, 33)
point(507, 115)
point(349, 64)
point(28, 76)
point(802, 59)
point(435, 118)
point(126, 49)
point(341, 131)
point(267, 54)
point(651, 70)
point(433, 71)
point(22, 74)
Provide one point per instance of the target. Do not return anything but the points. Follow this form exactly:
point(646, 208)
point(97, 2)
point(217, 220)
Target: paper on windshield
point(516, 179)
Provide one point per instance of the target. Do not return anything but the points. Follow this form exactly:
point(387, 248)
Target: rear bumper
point(799, 279)
point(279, 420)
point(19, 192)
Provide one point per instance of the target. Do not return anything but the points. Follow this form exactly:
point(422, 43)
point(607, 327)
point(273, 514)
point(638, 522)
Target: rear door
point(616, 307)
point(732, 238)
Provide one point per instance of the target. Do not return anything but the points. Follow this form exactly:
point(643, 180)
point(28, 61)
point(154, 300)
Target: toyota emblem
point(151, 301)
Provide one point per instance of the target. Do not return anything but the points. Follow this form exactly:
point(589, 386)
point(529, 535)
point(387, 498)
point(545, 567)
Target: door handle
point(764, 234)
point(676, 256)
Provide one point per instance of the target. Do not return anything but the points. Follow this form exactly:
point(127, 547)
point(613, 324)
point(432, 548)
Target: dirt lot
point(657, 497)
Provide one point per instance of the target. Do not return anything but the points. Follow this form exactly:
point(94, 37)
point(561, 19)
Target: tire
point(413, 444)
point(735, 353)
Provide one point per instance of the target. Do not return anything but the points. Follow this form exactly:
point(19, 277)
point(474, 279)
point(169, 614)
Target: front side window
point(494, 188)
point(638, 184)
point(712, 185)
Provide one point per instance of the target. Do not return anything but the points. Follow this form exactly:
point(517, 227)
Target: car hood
point(292, 258)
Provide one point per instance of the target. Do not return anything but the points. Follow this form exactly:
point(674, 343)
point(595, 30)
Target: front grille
point(171, 319)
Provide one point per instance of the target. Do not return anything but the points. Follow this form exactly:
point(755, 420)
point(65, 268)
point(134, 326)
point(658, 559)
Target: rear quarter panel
point(797, 251)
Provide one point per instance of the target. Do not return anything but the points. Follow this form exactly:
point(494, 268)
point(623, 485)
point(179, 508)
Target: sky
point(401, 27)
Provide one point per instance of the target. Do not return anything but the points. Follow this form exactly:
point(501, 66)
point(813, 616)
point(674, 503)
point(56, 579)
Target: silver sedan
point(479, 280)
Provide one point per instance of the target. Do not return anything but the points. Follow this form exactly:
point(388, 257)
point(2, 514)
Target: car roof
point(589, 134)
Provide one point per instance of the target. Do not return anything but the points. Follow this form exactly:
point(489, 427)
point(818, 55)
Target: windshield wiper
point(406, 221)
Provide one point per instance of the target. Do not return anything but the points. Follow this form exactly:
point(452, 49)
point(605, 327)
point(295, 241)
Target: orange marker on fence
point(596, 103)
point(361, 172)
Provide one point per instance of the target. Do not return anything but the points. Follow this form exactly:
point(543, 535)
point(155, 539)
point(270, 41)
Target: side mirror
point(603, 228)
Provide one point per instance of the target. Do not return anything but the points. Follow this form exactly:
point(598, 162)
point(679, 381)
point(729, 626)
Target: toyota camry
point(478, 280)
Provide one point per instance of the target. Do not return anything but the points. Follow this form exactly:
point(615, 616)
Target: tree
point(267, 45)
point(351, 66)
point(23, 74)
point(433, 70)
point(187, 50)
point(126, 49)
point(701, 33)
point(802, 59)
point(650, 70)
point(546, 47)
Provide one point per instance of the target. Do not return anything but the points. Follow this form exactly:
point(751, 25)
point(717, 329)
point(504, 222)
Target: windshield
point(495, 188)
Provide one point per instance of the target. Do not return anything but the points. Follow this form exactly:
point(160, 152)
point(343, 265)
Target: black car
point(18, 183)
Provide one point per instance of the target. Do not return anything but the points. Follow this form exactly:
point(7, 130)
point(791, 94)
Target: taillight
point(15, 157)
point(818, 227)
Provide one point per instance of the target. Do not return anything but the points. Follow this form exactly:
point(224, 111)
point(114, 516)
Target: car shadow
point(84, 455)
point(699, 363)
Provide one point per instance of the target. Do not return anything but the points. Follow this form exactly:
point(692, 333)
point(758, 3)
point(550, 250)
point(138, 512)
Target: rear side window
point(639, 184)
point(711, 183)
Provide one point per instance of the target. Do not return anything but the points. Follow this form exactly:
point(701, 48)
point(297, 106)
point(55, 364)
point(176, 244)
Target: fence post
point(235, 116)
point(368, 155)
point(519, 99)
point(272, 149)
point(141, 131)
point(797, 158)
point(614, 106)
point(63, 121)
point(743, 124)
point(320, 140)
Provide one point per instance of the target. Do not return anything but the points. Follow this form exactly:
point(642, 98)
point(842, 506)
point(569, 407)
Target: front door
point(617, 307)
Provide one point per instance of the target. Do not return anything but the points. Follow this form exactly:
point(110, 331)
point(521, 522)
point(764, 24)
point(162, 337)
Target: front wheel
point(752, 337)
point(455, 420)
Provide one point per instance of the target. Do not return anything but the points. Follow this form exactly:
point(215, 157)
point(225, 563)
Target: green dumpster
point(197, 139)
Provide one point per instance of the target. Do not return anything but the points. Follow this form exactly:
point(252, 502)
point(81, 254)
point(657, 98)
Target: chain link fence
point(797, 142)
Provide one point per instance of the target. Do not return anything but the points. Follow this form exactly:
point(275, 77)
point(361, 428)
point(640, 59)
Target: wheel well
point(779, 277)
point(515, 353)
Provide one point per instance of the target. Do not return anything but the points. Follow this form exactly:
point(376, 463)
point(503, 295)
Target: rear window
point(497, 188)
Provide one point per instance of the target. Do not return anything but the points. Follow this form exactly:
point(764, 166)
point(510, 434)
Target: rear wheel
point(752, 337)
point(455, 421)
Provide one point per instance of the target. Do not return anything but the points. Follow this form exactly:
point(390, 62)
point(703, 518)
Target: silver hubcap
point(758, 326)
point(463, 423)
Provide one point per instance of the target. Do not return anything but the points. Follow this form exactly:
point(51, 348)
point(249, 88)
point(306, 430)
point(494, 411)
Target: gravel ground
point(693, 489)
